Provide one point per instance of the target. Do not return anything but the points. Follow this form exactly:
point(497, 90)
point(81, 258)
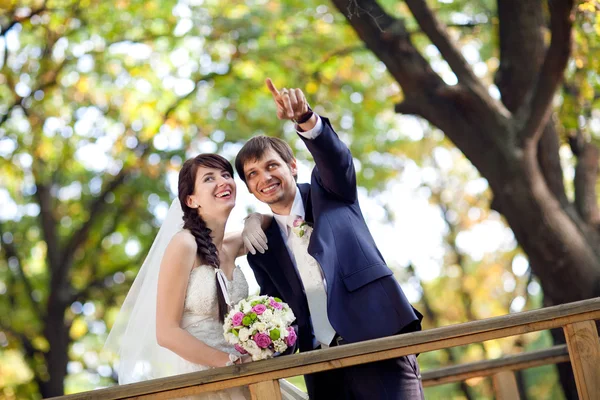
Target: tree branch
point(332, 55)
point(551, 74)
point(521, 25)
point(98, 282)
point(467, 25)
point(181, 99)
point(49, 79)
point(97, 206)
point(17, 20)
point(549, 160)
point(388, 38)
point(95, 209)
point(10, 108)
point(48, 223)
point(437, 33)
point(586, 177)
point(11, 252)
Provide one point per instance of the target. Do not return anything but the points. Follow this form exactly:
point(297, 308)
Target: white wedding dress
point(133, 335)
point(201, 319)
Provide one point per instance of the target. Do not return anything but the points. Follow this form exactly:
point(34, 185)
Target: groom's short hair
point(256, 147)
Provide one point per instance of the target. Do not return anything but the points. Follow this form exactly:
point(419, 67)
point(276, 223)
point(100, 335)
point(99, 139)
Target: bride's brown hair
point(193, 222)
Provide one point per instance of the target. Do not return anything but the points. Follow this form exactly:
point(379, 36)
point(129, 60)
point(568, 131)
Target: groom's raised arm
point(335, 170)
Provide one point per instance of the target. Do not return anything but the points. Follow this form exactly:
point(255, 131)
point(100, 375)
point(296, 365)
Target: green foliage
point(95, 91)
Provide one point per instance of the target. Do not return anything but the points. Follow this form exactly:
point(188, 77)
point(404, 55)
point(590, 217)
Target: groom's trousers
point(397, 379)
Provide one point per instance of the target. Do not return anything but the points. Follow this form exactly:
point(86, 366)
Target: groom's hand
point(291, 103)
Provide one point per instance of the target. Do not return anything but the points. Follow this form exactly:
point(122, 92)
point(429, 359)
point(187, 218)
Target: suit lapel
point(306, 201)
point(281, 269)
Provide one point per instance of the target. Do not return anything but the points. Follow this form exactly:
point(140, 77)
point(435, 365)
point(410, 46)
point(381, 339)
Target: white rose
point(279, 346)
point(262, 355)
point(260, 326)
point(267, 315)
point(231, 338)
point(252, 348)
point(246, 308)
point(244, 334)
point(277, 322)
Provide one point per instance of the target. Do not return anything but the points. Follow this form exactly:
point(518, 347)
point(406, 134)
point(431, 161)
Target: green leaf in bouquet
point(255, 302)
point(247, 320)
point(277, 299)
point(235, 332)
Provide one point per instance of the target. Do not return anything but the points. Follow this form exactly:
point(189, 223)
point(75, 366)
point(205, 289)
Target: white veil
point(133, 335)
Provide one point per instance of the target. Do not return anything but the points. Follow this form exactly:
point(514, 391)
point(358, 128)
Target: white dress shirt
point(321, 323)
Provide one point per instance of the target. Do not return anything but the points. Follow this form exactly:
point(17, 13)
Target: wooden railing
point(576, 319)
point(501, 370)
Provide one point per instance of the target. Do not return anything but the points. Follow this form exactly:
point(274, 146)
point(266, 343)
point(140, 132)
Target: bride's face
point(214, 192)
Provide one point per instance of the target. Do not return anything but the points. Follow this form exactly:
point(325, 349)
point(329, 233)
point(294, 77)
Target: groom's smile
point(271, 181)
point(271, 188)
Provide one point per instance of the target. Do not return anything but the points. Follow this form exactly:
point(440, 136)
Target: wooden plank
point(267, 390)
point(278, 373)
point(357, 353)
point(462, 372)
point(584, 349)
point(505, 386)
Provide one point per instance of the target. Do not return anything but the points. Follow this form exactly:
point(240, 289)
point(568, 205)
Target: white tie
point(312, 279)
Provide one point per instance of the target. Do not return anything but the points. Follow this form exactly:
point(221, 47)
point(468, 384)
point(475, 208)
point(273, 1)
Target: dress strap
point(223, 283)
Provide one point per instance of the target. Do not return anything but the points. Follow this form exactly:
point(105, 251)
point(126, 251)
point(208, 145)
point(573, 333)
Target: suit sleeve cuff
point(314, 132)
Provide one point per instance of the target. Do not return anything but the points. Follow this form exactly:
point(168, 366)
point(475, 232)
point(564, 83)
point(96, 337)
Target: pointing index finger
point(272, 87)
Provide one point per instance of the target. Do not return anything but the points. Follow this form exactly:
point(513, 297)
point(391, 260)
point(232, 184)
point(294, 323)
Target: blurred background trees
point(478, 183)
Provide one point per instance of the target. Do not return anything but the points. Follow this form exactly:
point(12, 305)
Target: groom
point(322, 259)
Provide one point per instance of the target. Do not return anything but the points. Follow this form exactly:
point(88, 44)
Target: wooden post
point(267, 390)
point(505, 386)
point(584, 350)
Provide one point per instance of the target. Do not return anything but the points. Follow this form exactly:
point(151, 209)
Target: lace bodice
point(201, 319)
point(201, 296)
point(200, 313)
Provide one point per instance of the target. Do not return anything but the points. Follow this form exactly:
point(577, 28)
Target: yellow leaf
point(41, 343)
point(78, 329)
point(238, 11)
point(82, 85)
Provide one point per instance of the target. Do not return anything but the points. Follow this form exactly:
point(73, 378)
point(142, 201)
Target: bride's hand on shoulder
point(253, 235)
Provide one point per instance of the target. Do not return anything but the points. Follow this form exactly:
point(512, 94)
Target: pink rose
point(262, 340)
point(259, 309)
point(291, 339)
point(275, 304)
point(240, 349)
point(297, 222)
point(237, 319)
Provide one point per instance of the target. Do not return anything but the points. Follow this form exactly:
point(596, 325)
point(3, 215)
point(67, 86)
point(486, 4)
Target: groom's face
point(271, 180)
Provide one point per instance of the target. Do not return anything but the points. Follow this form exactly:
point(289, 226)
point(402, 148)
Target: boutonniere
point(300, 227)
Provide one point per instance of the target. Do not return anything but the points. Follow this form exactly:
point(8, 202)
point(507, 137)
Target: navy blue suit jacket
point(364, 301)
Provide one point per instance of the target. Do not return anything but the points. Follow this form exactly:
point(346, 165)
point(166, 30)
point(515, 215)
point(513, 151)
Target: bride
point(172, 319)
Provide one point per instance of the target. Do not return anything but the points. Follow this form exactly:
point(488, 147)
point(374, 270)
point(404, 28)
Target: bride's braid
point(193, 222)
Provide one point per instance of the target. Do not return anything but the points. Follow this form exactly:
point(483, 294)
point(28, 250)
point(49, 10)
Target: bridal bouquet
point(260, 326)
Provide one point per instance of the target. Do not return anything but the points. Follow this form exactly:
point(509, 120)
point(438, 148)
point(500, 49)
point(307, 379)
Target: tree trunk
point(57, 334)
point(513, 143)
